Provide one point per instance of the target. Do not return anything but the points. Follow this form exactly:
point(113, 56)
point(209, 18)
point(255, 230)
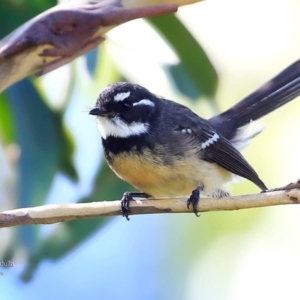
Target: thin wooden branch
point(49, 214)
point(68, 30)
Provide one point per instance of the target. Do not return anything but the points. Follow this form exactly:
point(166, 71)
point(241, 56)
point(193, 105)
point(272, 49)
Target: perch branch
point(49, 214)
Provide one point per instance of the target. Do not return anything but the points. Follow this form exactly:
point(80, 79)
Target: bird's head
point(124, 109)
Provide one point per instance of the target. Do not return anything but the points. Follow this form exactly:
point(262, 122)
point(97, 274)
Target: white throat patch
point(117, 128)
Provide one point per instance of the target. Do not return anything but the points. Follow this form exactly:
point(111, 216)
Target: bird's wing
point(216, 149)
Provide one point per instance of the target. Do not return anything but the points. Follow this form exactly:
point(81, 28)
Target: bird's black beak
point(98, 112)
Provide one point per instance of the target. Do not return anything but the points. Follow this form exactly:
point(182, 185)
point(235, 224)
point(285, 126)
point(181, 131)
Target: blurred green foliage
point(195, 75)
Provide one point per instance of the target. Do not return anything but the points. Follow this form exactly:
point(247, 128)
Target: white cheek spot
point(187, 130)
point(144, 102)
point(210, 141)
point(118, 128)
point(121, 96)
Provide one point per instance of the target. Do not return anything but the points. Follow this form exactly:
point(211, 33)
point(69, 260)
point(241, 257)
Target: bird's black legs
point(127, 197)
point(194, 200)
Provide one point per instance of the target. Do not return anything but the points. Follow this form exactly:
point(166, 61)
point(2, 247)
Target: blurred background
point(208, 56)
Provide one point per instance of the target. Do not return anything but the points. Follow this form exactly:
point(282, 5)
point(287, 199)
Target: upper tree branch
point(49, 214)
point(66, 31)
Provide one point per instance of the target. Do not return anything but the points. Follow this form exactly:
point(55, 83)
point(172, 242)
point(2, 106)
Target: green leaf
point(39, 133)
point(195, 75)
point(183, 81)
point(67, 149)
point(7, 130)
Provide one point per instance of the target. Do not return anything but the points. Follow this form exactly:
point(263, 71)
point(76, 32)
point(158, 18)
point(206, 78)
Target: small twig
point(49, 214)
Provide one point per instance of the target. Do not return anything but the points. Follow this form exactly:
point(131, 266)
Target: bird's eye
point(127, 106)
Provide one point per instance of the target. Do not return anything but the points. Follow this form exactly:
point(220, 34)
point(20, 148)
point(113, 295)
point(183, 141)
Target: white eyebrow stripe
point(121, 96)
point(210, 141)
point(144, 102)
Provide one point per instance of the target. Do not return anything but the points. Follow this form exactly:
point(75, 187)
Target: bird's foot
point(194, 200)
point(127, 197)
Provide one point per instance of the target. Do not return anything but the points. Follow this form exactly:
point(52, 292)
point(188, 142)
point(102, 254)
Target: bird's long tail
point(276, 92)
